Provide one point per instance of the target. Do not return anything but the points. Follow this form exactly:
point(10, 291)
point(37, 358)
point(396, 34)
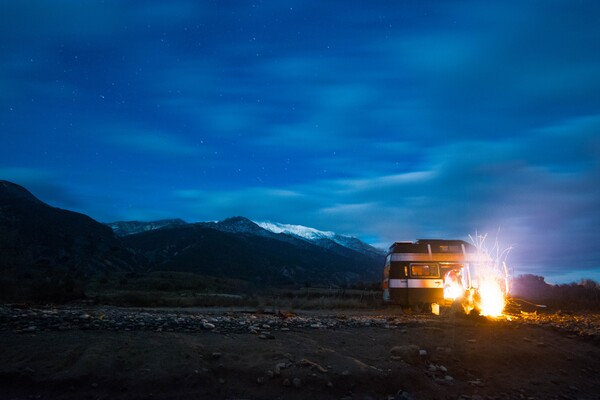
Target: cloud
point(157, 143)
point(485, 186)
point(395, 121)
point(477, 69)
point(167, 13)
point(26, 174)
point(210, 204)
point(568, 145)
point(39, 20)
point(44, 184)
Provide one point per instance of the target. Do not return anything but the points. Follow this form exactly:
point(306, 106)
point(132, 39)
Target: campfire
point(490, 277)
point(483, 285)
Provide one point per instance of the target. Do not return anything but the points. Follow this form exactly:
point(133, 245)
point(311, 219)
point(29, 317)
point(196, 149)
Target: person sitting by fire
point(453, 287)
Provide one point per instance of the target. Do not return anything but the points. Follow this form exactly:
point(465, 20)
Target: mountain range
point(324, 239)
point(38, 241)
point(238, 247)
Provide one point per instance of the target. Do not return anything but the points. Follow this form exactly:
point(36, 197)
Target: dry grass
point(177, 289)
point(275, 300)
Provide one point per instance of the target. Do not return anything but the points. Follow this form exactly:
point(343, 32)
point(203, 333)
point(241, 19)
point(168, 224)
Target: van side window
point(424, 270)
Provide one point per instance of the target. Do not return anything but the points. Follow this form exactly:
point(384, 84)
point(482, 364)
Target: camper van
point(427, 271)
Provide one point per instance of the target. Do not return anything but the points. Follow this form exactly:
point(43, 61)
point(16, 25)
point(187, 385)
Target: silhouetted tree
point(530, 287)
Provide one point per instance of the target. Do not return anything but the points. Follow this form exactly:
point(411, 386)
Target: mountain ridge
point(42, 244)
point(260, 259)
point(243, 225)
point(124, 228)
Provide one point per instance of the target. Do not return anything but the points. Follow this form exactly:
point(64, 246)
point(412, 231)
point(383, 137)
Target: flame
point(492, 274)
point(492, 297)
point(453, 291)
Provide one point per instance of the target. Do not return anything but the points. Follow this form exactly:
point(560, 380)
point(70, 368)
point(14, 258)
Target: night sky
point(387, 120)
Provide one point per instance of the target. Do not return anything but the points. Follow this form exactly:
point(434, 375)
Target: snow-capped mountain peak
point(296, 230)
point(316, 236)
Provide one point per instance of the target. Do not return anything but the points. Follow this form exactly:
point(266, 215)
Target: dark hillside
point(256, 258)
point(40, 244)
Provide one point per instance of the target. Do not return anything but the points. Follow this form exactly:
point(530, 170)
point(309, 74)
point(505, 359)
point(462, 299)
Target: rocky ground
point(114, 353)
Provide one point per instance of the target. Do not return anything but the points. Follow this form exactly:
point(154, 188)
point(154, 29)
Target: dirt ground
point(446, 357)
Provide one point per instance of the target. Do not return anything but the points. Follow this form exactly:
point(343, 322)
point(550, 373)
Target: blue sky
point(392, 120)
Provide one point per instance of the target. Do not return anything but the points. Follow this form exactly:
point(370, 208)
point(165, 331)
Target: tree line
point(582, 295)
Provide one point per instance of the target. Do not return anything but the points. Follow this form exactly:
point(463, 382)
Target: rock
point(260, 380)
point(216, 355)
point(442, 368)
point(286, 382)
point(208, 325)
point(449, 379)
point(266, 335)
point(312, 365)
point(278, 368)
point(408, 353)
point(422, 353)
point(270, 374)
point(441, 349)
point(402, 395)
point(297, 382)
